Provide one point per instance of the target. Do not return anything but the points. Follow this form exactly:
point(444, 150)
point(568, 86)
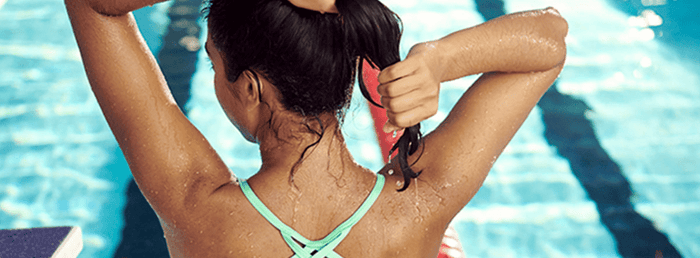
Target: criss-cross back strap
point(302, 247)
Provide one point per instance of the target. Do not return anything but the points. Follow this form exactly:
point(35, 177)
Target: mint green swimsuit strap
point(318, 248)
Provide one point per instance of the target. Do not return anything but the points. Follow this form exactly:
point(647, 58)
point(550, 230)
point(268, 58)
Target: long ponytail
point(373, 33)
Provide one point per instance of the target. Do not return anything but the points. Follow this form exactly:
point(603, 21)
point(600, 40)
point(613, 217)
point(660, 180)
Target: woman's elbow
point(548, 30)
point(555, 29)
point(558, 24)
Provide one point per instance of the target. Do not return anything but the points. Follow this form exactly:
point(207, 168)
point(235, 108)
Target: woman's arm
point(520, 42)
point(171, 161)
point(119, 7)
point(520, 55)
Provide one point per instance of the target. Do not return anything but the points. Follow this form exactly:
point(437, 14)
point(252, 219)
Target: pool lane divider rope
point(450, 246)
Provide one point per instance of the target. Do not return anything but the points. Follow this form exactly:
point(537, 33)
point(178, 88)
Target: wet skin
point(203, 211)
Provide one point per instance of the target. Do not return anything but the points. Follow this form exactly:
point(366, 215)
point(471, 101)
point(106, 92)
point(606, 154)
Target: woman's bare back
point(399, 224)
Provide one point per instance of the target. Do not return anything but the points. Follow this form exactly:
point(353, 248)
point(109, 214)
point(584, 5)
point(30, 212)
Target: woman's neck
point(326, 159)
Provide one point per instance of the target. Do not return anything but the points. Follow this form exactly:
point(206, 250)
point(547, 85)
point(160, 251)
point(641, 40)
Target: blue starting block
point(52, 242)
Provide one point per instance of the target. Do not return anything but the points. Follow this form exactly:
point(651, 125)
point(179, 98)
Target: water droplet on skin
point(418, 219)
point(399, 183)
point(231, 214)
point(390, 172)
point(201, 231)
point(230, 252)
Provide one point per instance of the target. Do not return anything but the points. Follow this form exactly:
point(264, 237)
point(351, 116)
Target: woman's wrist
point(433, 55)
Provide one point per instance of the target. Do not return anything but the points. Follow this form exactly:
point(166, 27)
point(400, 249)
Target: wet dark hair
point(311, 58)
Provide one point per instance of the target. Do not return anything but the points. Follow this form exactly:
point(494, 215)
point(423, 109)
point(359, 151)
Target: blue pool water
point(621, 121)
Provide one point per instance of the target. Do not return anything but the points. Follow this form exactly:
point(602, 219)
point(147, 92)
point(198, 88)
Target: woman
point(283, 73)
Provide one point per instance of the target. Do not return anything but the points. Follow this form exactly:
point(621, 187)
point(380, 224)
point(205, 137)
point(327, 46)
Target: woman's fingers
point(396, 88)
point(410, 100)
point(409, 118)
point(388, 127)
point(397, 71)
point(409, 93)
point(418, 79)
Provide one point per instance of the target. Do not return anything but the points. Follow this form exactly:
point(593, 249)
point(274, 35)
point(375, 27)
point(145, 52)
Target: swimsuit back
point(302, 247)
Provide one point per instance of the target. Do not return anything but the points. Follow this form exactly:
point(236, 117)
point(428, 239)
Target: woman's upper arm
point(169, 158)
point(459, 153)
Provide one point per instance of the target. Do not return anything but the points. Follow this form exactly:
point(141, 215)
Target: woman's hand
point(410, 88)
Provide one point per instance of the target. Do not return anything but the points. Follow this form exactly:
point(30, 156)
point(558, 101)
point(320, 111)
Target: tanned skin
point(201, 207)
